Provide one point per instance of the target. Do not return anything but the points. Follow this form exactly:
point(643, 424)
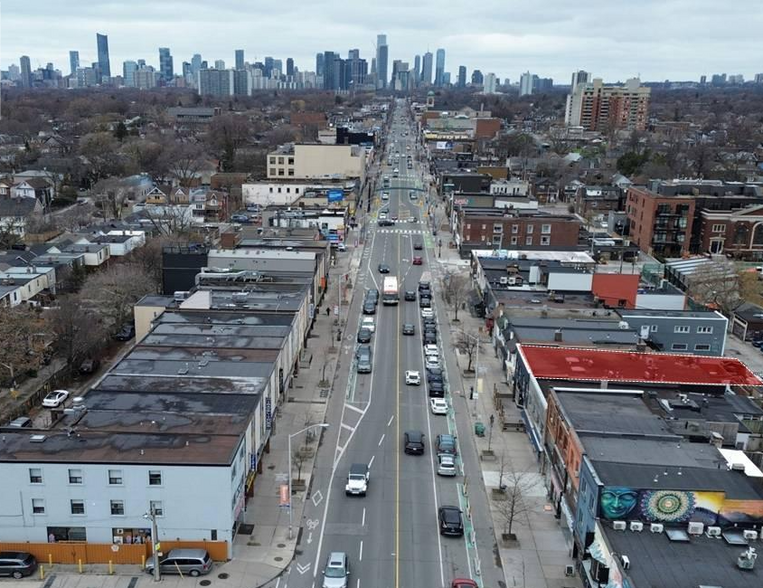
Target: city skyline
point(551, 42)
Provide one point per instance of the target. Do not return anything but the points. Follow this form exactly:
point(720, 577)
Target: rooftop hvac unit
point(504, 280)
point(619, 525)
point(623, 325)
point(737, 467)
point(181, 295)
point(637, 526)
point(713, 531)
point(656, 527)
point(750, 534)
point(695, 528)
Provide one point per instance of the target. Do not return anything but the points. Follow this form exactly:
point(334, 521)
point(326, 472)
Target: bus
point(390, 292)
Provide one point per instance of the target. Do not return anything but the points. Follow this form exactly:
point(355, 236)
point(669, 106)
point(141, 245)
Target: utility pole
point(151, 516)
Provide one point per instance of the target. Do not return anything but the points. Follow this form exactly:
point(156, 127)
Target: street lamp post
point(151, 516)
point(321, 425)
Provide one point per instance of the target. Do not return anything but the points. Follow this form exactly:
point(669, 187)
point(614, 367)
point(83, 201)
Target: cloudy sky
point(614, 39)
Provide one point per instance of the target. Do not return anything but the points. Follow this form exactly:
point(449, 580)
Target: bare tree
point(23, 334)
point(468, 344)
point(716, 285)
point(77, 330)
point(298, 458)
point(101, 150)
point(511, 505)
point(11, 232)
point(455, 290)
point(172, 222)
point(183, 161)
point(111, 195)
point(751, 287)
point(226, 135)
point(112, 293)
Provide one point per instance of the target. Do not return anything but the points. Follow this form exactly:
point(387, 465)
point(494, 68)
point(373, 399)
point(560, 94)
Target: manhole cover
point(281, 545)
point(222, 576)
point(278, 558)
point(205, 582)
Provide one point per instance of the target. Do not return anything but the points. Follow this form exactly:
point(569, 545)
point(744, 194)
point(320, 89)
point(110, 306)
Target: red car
point(463, 583)
point(417, 260)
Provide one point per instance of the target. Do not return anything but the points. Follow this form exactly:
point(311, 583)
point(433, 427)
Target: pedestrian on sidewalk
point(328, 310)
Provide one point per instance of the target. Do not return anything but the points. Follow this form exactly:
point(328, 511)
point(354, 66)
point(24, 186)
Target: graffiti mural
point(676, 506)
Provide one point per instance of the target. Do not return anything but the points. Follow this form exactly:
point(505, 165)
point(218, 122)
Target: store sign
point(268, 413)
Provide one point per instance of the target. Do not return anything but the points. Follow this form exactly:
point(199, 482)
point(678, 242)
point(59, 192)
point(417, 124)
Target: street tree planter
point(498, 494)
point(509, 540)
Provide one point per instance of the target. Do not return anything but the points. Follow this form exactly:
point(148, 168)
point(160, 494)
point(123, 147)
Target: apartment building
point(599, 107)
point(303, 161)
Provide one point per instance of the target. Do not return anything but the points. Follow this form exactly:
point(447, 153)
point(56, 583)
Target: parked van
point(188, 562)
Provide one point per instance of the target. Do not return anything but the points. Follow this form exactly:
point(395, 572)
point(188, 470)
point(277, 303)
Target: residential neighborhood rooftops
point(625, 366)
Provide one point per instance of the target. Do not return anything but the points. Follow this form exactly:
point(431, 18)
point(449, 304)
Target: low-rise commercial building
point(316, 161)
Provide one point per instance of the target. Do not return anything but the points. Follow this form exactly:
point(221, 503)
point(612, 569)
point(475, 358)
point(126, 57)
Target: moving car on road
point(357, 480)
point(417, 260)
point(410, 296)
point(413, 442)
point(383, 268)
point(412, 378)
point(337, 571)
point(409, 329)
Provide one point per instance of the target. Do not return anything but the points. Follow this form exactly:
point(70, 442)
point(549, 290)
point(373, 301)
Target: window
point(156, 506)
point(296, 190)
point(545, 229)
point(529, 229)
point(291, 172)
point(279, 189)
point(75, 476)
point(702, 347)
point(515, 229)
point(653, 328)
point(154, 478)
point(35, 476)
point(468, 225)
point(498, 228)
point(288, 190)
point(291, 161)
point(272, 173)
point(704, 330)
point(272, 161)
point(681, 329)
point(719, 228)
point(529, 240)
point(497, 239)
point(77, 507)
point(280, 171)
point(544, 240)
point(280, 160)
point(513, 240)
point(484, 227)
point(115, 477)
point(117, 507)
point(679, 347)
point(38, 506)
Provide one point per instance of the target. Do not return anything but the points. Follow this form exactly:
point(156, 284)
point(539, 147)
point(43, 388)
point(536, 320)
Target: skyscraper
point(330, 75)
point(239, 59)
point(382, 57)
point(216, 82)
point(416, 70)
point(166, 68)
point(73, 61)
point(269, 63)
point(289, 66)
point(580, 77)
point(26, 72)
point(526, 84)
point(439, 68)
point(319, 64)
point(103, 55)
point(426, 69)
point(219, 64)
point(462, 76)
point(477, 78)
point(195, 64)
point(490, 84)
point(128, 73)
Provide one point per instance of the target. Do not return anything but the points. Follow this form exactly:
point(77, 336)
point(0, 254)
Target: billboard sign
point(335, 195)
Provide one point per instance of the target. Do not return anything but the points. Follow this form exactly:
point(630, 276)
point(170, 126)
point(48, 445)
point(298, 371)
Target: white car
point(432, 362)
point(55, 398)
point(431, 350)
point(438, 405)
point(427, 313)
point(446, 465)
point(341, 247)
point(368, 323)
point(412, 378)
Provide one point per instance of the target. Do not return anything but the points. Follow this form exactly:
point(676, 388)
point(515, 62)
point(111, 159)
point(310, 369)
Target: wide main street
point(391, 536)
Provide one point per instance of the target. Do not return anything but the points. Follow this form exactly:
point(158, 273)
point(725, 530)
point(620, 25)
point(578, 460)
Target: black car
point(17, 564)
point(373, 295)
point(429, 338)
point(89, 366)
point(413, 442)
point(436, 389)
point(409, 329)
point(369, 307)
point(385, 222)
point(434, 373)
point(418, 246)
point(425, 302)
point(126, 333)
point(451, 522)
point(410, 296)
point(364, 336)
point(383, 268)
point(424, 285)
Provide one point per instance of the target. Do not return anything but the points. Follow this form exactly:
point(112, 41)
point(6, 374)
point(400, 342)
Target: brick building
point(509, 229)
point(738, 233)
point(660, 225)
point(598, 199)
point(598, 107)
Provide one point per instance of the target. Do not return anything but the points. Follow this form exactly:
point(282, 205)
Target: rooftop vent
point(37, 438)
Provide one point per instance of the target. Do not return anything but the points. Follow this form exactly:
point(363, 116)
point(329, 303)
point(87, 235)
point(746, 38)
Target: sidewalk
point(538, 558)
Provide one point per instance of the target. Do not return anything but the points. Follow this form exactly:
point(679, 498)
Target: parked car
point(191, 562)
point(435, 389)
point(336, 574)
point(438, 405)
point(364, 362)
point(425, 302)
point(239, 218)
point(429, 338)
point(364, 336)
point(367, 322)
point(373, 294)
point(413, 442)
point(463, 583)
point(17, 564)
point(451, 522)
point(427, 312)
point(431, 350)
point(424, 285)
point(412, 378)
point(89, 366)
point(409, 329)
point(125, 333)
point(446, 465)
point(446, 444)
point(55, 399)
point(369, 307)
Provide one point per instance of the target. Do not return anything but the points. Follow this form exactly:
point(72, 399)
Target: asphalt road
point(392, 535)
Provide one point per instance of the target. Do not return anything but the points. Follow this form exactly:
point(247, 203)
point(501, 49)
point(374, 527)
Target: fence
point(72, 552)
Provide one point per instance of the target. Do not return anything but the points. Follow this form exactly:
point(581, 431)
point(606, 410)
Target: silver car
point(446, 465)
point(337, 571)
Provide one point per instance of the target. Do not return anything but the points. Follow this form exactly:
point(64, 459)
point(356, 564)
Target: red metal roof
point(565, 363)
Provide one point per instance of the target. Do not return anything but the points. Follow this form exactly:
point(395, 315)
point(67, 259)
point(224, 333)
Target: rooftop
point(703, 314)
point(627, 366)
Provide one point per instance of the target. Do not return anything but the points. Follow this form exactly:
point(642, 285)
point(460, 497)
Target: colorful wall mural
point(676, 506)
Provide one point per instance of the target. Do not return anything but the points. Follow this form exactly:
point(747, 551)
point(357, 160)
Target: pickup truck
point(357, 480)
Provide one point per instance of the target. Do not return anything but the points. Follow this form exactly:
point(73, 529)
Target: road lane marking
point(317, 497)
point(348, 427)
point(301, 569)
point(356, 409)
point(392, 418)
point(278, 581)
point(370, 463)
point(381, 440)
point(357, 584)
point(360, 554)
point(363, 520)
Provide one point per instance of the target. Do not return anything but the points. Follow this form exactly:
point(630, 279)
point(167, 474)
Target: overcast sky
point(614, 39)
